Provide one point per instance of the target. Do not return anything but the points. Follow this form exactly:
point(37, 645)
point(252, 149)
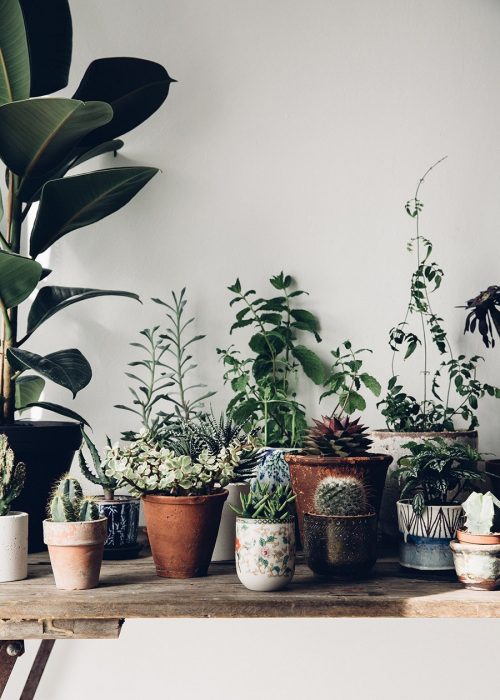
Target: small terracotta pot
point(307, 471)
point(75, 551)
point(182, 531)
point(340, 545)
point(464, 536)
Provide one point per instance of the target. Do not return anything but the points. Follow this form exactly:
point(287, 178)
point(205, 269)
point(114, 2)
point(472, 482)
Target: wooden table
point(35, 609)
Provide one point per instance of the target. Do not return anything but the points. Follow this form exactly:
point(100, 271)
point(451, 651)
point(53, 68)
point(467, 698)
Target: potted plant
point(13, 524)
point(265, 382)
point(265, 538)
point(41, 140)
point(432, 475)
point(336, 446)
point(484, 314)
point(476, 550)
point(182, 487)
point(75, 535)
point(122, 512)
point(340, 534)
point(450, 392)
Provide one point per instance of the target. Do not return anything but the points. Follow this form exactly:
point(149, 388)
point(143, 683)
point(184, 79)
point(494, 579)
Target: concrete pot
point(340, 545)
point(182, 531)
point(477, 565)
point(308, 470)
point(13, 546)
point(265, 553)
point(224, 545)
point(391, 442)
point(75, 550)
point(425, 540)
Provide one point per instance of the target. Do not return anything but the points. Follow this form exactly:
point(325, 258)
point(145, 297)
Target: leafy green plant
point(167, 362)
point(41, 140)
point(346, 379)
point(68, 504)
point(265, 383)
point(97, 475)
point(266, 503)
point(484, 313)
point(435, 472)
point(341, 495)
point(12, 476)
point(482, 513)
point(453, 390)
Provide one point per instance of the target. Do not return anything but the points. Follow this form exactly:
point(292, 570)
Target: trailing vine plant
point(450, 392)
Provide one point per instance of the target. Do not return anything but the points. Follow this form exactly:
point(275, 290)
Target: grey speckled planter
point(340, 545)
point(477, 565)
point(391, 442)
point(123, 520)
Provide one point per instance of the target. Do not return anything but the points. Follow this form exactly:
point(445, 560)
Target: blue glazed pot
point(272, 468)
point(123, 520)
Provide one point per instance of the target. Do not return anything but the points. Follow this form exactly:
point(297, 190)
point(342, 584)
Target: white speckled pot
point(13, 546)
point(391, 442)
point(224, 546)
point(477, 565)
point(265, 553)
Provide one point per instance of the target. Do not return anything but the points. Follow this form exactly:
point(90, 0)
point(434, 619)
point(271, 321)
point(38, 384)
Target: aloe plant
point(41, 140)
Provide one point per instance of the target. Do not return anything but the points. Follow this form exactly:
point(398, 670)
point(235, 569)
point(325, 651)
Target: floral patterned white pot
point(265, 553)
point(425, 539)
point(224, 545)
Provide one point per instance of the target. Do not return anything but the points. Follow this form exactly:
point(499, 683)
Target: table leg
point(9, 651)
point(42, 656)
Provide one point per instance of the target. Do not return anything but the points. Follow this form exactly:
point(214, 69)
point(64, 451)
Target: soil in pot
point(265, 553)
point(122, 513)
point(391, 442)
point(47, 448)
point(13, 546)
point(182, 531)
point(340, 545)
point(307, 471)
point(477, 565)
point(75, 550)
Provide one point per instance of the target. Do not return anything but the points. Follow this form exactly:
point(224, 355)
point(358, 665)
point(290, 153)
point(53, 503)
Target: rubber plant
point(41, 140)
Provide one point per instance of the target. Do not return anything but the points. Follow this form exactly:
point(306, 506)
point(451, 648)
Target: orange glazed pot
point(306, 471)
point(182, 531)
point(75, 550)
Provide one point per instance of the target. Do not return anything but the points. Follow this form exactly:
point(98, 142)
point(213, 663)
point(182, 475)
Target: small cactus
point(12, 476)
point(68, 504)
point(341, 495)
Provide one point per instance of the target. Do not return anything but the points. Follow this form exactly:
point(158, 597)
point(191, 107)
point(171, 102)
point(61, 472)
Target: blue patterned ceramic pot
point(265, 553)
point(123, 520)
point(272, 468)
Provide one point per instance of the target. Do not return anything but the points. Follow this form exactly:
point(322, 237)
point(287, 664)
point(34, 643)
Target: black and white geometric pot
point(425, 539)
point(123, 522)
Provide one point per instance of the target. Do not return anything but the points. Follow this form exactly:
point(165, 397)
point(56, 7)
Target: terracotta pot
point(182, 531)
point(391, 442)
point(477, 565)
point(464, 536)
point(340, 545)
point(425, 539)
point(307, 471)
point(265, 553)
point(75, 551)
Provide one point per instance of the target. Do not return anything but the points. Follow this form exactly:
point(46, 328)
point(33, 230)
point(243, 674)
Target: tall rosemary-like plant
point(452, 390)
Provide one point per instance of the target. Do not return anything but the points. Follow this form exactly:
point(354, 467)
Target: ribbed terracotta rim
point(184, 500)
point(443, 433)
point(351, 518)
point(492, 538)
point(327, 461)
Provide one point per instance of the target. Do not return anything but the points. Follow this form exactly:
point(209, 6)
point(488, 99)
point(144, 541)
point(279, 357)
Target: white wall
point(294, 136)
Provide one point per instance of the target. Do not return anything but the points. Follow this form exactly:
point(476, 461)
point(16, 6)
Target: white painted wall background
point(295, 135)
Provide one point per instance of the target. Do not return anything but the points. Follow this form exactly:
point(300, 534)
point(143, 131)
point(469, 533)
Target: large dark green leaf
point(14, 57)
point(18, 278)
point(61, 410)
point(50, 300)
point(36, 135)
point(310, 362)
point(73, 202)
point(28, 390)
point(134, 87)
point(50, 41)
point(69, 368)
point(107, 147)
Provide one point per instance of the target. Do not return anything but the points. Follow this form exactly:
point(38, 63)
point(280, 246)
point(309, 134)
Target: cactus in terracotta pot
point(12, 476)
point(341, 495)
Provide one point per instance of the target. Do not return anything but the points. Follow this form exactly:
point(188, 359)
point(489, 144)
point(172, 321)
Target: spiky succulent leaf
point(337, 437)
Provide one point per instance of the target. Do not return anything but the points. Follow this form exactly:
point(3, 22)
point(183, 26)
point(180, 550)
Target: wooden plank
point(62, 628)
point(132, 590)
point(37, 669)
